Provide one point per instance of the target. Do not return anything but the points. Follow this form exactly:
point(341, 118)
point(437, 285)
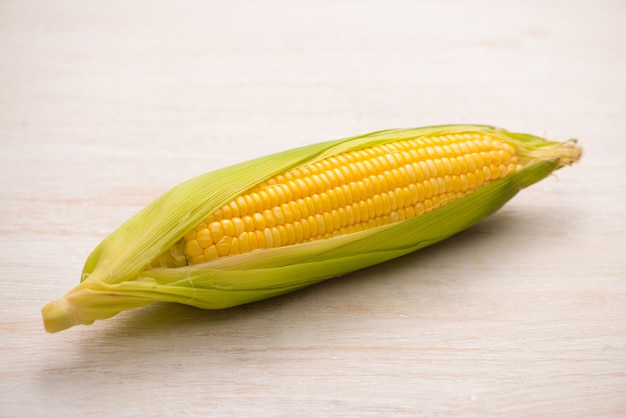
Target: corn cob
point(286, 221)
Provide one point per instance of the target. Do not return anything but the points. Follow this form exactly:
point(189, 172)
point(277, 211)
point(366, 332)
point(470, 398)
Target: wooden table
point(105, 105)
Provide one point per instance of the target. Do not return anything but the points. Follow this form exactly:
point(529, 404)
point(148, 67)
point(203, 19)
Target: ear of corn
point(198, 244)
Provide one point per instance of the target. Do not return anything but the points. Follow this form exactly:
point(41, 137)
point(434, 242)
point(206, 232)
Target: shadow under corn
point(163, 318)
point(160, 318)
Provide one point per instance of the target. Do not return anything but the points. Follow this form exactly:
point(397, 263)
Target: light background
point(105, 105)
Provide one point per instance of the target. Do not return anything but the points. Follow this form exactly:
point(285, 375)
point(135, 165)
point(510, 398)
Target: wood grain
point(105, 105)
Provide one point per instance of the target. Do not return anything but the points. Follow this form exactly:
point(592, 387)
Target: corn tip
point(58, 315)
point(570, 152)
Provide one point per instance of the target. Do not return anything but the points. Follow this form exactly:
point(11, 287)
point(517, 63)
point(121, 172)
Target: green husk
point(118, 275)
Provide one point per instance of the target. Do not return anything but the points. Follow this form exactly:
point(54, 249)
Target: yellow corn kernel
point(362, 188)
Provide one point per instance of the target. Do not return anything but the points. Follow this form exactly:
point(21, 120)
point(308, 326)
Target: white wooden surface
point(104, 105)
